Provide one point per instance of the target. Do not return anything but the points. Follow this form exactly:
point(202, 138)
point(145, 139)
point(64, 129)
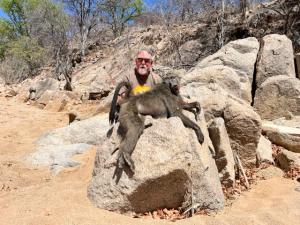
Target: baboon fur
point(163, 101)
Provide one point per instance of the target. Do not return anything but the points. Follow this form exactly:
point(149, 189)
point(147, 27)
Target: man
point(143, 79)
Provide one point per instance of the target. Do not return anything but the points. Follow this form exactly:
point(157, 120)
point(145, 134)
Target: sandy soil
point(32, 196)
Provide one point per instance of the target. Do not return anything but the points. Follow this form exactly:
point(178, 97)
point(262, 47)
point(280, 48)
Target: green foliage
point(28, 50)
point(118, 13)
point(6, 34)
point(32, 31)
point(15, 9)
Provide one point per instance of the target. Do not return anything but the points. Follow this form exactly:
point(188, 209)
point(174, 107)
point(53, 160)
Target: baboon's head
point(174, 84)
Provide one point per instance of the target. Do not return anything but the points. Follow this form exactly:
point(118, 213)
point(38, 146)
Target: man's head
point(143, 63)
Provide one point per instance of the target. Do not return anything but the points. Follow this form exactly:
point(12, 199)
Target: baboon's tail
point(114, 107)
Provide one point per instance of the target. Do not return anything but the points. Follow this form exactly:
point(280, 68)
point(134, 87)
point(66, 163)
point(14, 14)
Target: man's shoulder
point(157, 78)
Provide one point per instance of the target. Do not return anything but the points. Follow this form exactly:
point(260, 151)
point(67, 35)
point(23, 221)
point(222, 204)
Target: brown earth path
point(32, 196)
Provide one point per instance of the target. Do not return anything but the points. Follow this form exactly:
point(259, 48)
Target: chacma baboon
point(193, 107)
point(162, 101)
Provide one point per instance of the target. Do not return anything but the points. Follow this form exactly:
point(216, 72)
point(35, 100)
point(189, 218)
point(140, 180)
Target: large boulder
point(56, 101)
point(278, 97)
point(93, 81)
point(190, 52)
point(242, 123)
point(212, 97)
point(172, 169)
point(225, 77)
point(224, 155)
point(287, 137)
point(232, 53)
point(276, 57)
point(244, 129)
point(56, 148)
point(165, 71)
point(38, 88)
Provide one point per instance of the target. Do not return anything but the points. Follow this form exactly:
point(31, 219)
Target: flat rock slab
point(270, 172)
point(287, 137)
point(56, 148)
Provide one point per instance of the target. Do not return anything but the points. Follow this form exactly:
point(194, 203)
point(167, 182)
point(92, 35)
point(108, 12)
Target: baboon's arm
point(114, 107)
point(190, 124)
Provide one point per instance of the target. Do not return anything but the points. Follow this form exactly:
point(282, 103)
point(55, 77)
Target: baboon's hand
point(198, 110)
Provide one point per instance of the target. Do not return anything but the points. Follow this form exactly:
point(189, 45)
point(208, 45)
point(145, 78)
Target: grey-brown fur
point(162, 101)
point(114, 107)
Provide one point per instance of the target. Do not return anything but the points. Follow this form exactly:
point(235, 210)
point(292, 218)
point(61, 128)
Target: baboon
point(193, 107)
point(162, 101)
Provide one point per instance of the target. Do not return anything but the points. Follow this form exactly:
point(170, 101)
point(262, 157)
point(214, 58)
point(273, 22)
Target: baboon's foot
point(125, 160)
point(110, 162)
point(129, 161)
point(200, 136)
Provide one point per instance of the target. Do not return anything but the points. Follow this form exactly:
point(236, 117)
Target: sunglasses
point(147, 61)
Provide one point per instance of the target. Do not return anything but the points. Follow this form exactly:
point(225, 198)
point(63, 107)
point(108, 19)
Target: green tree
point(86, 14)
point(16, 10)
point(33, 31)
point(28, 50)
point(117, 13)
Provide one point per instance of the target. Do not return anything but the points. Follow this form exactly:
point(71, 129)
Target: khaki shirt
point(137, 87)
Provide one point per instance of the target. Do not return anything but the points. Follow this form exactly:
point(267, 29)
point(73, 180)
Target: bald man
point(143, 79)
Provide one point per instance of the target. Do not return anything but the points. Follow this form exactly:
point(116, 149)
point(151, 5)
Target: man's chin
point(143, 72)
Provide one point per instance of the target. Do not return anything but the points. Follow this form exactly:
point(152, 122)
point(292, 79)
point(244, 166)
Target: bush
point(23, 58)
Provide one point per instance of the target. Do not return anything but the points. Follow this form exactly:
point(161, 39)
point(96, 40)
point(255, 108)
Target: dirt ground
point(33, 196)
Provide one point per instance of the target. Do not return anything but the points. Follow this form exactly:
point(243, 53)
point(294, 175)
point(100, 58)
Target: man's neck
point(142, 79)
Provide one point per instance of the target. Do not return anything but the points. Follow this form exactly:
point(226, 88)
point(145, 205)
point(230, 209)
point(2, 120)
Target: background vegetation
point(38, 33)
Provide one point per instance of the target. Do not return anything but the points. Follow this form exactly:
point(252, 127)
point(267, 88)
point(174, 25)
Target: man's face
point(143, 63)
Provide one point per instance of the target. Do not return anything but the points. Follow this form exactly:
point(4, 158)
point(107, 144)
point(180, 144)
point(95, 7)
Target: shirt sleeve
point(157, 79)
point(123, 89)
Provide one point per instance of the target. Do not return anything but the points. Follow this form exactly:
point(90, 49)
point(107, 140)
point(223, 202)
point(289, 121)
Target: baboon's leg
point(190, 124)
point(127, 145)
point(168, 108)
